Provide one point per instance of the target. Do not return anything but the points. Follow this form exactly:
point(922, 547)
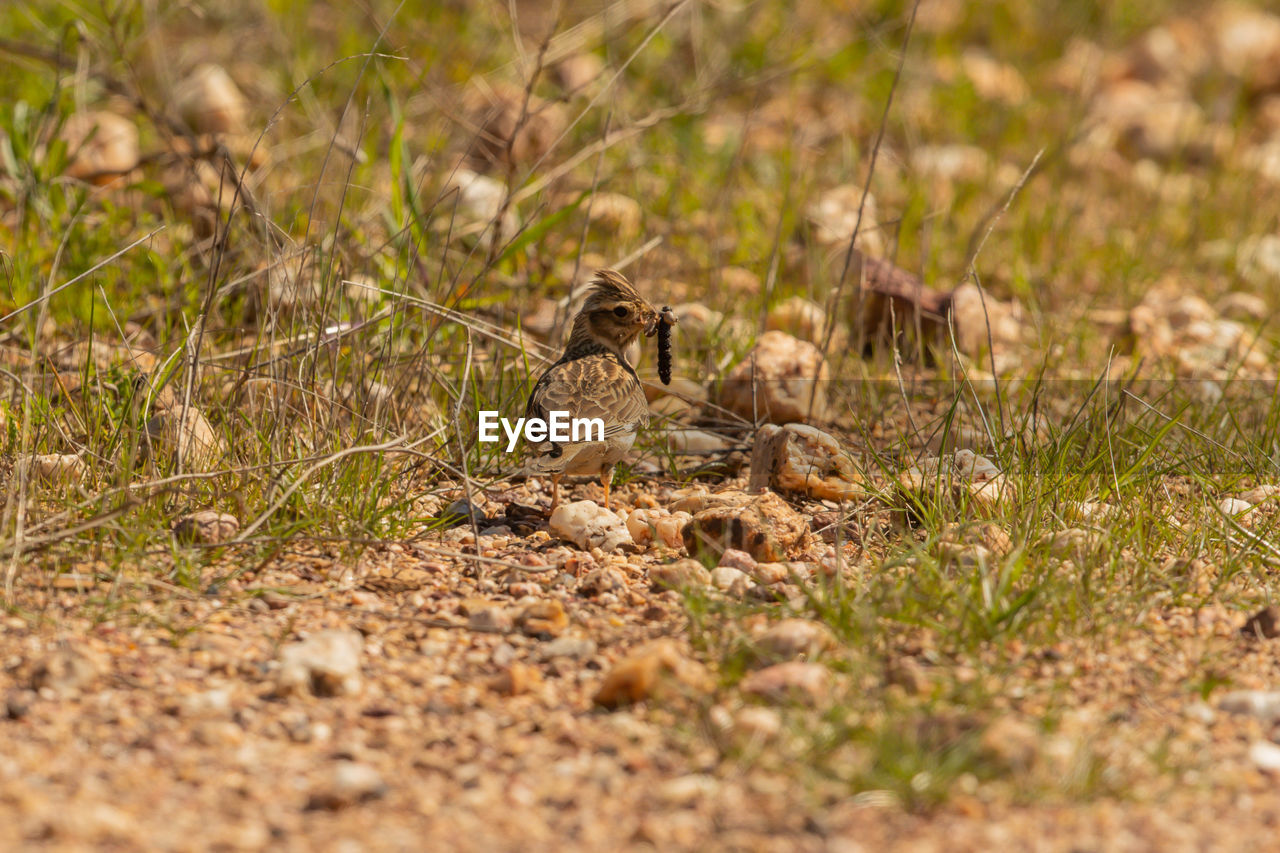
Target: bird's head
point(614, 314)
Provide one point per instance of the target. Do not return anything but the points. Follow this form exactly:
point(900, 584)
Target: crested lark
point(594, 378)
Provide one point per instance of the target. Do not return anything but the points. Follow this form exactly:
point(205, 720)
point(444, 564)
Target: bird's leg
point(606, 480)
point(555, 491)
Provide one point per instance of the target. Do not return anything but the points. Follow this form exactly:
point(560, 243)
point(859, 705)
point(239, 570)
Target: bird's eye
point(621, 311)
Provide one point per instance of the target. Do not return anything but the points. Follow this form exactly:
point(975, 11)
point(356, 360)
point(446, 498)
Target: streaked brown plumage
point(594, 378)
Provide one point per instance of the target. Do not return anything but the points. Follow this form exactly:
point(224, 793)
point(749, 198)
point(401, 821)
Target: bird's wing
point(592, 387)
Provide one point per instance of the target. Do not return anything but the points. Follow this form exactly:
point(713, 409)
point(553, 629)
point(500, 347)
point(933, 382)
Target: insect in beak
point(659, 318)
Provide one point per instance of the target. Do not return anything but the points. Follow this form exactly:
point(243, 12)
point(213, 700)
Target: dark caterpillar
point(666, 320)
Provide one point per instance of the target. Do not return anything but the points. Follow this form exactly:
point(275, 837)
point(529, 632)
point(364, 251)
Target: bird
point(595, 377)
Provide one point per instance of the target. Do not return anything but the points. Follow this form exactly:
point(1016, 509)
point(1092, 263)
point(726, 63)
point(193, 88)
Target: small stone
point(758, 723)
point(697, 442)
point(515, 679)
point(543, 619)
point(515, 127)
point(589, 525)
point(694, 500)
point(619, 214)
point(983, 321)
point(65, 672)
point(731, 580)
point(350, 782)
point(207, 703)
point(181, 435)
point(767, 528)
point(1261, 494)
point(839, 210)
point(645, 674)
point(17, 703)
point(657, 524)
point(1265, 755)
point(771, 573)
point(794, 638)
point(682, 574)
point(491, 620)
point(992, 79)
point(1092, 511)
point(52, 469)
point(800, 317)
point(1011, 742)
point(781, 380)
point(951, 163)
point(687, 790)
point(1264, 624)
point(101, 145)
point(965, 557)
point(790, 681)
point(732, 558)
point(798, 458)
point(325, 664)
point(600, 581)
point(573, 648)
point(1067, 544)
point(964, 475)
point(209, 101)
point(1262, 704)
point(480, 203)
point(1236, 508)
point(907, 673)
point(1247, 307)
point(578, 71)
point(207, 526)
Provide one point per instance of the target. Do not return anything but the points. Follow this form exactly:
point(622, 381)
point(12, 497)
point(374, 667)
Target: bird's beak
point(666, 315)
point(650, 321)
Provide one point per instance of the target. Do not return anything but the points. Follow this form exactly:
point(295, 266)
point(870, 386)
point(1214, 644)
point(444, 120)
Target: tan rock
point(802, 318)
point(1069, 544)
point(515, 129)
point(982, 321)
point(1245, 42)
point(793, 681)
point(578, 72)
point(682, 574)
point(781, 380)
point(794, 638)
point(516, 679)
point(655, 671)
point(207, 526)
point(618, 214)
point(965, 474)
point(588, 525)
point(992, 79)
point(52, 469)
point(324, 664)
point(1011, 743)
point(697, 498)
point(835, 214)
point(65, 672)
point(658, 525)
point(209, 101)
point(696, 442)
point(767, 528)
point(101, 145)
point(482, 203)
point(543, 619)
point(798, 458)
point(183, 434)
point(951, 163)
